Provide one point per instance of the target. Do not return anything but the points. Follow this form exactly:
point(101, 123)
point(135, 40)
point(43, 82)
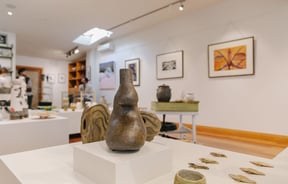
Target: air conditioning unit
point(105, 47)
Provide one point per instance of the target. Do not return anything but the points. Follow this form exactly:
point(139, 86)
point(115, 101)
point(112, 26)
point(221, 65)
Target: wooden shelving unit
point(77, 71)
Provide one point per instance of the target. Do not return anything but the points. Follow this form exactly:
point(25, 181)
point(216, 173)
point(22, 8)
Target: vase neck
point(125, 76)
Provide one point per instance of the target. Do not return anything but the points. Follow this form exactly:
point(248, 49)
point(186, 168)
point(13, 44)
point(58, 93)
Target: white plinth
point(97, 162)
point(6, 175)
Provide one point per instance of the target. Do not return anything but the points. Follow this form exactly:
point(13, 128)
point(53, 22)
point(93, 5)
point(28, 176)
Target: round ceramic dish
point(186, 176)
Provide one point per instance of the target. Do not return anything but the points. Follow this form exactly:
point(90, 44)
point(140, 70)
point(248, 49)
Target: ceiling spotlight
point(10, 7)
point(76, 51)
point(73, 51)
point(181, 7)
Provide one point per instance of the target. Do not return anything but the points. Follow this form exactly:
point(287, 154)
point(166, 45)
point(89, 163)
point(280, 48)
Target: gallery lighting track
point(181, 7)
point(73, 51)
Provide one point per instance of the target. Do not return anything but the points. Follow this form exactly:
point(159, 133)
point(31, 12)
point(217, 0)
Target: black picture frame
point(134, 65)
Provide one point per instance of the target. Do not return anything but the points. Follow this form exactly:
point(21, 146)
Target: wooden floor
point(251, 148)
point(246, 147)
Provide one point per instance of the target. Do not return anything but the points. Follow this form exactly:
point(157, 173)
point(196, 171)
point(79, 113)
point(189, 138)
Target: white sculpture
point(19, 97)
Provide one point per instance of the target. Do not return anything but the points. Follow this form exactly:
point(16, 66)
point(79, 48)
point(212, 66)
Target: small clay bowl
point(186, 176)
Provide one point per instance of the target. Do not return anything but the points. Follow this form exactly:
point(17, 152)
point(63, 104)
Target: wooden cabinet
point(76, 71)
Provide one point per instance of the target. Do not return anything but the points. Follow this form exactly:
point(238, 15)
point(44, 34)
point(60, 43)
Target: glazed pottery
point(186, 176)
point(94, 123)
point(163, 93)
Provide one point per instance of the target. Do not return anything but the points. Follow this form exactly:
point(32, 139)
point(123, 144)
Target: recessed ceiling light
point(10, 13)
point(91, 36)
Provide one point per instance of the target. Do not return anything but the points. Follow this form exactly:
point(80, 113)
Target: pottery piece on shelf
point(163, 93)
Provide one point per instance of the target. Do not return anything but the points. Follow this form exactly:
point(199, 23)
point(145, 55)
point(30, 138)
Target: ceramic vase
point(126, 130)
point(163, 93)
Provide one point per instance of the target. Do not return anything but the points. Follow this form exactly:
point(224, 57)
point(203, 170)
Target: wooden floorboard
point(240, 146)
point(251, 148)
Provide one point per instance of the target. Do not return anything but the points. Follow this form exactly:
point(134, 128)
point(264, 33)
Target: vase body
point(126, 130)
point(163, 93)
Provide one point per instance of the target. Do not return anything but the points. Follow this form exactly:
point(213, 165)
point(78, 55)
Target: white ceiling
point(46, 28)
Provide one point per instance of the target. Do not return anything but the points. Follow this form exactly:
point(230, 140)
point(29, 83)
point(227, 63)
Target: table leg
point(194, 139)
point(181, 136)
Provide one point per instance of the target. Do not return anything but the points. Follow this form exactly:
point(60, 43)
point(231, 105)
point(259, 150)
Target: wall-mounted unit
point(105, 47)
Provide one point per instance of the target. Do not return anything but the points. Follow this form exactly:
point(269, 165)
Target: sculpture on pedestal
point(126, 130)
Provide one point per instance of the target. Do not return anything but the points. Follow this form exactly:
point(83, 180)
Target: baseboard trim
point(260, 138)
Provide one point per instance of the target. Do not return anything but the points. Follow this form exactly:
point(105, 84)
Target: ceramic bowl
point(186, 176)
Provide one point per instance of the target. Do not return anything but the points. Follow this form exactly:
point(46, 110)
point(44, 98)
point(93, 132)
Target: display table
point(32, 133)
point(55, 165)
point(182, 129)
point(74, 119)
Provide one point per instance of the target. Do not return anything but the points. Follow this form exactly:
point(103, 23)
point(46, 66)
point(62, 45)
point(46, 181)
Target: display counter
point(74, 119)
point(32, 133)
point(55, 165)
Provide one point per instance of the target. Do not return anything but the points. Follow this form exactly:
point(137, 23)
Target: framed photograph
point(169, 65)
point(232, 58)
point(134, 65)
point(107, 76)
point(51, 78)
point(61, 78)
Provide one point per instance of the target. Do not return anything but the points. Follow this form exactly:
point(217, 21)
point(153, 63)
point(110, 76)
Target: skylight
point(91, 36)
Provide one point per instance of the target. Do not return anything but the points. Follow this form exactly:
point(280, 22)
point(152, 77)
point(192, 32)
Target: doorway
point(35, 74)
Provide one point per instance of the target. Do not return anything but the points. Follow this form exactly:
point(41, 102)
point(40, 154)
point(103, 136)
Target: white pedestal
point(74, 120)
point(32, 133)
point(6, 175)
point(97, 162)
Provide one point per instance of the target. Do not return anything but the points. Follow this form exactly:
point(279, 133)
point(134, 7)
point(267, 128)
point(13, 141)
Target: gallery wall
point(50, 67)
point(254, 103)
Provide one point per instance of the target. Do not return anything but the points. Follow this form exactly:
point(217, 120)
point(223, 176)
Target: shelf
point(76, 72)
point(5, 46)
point(6, 57)
point(6, 51)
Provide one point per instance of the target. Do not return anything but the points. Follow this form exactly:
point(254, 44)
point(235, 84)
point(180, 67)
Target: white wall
point(255, 103)
point(49, 66)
